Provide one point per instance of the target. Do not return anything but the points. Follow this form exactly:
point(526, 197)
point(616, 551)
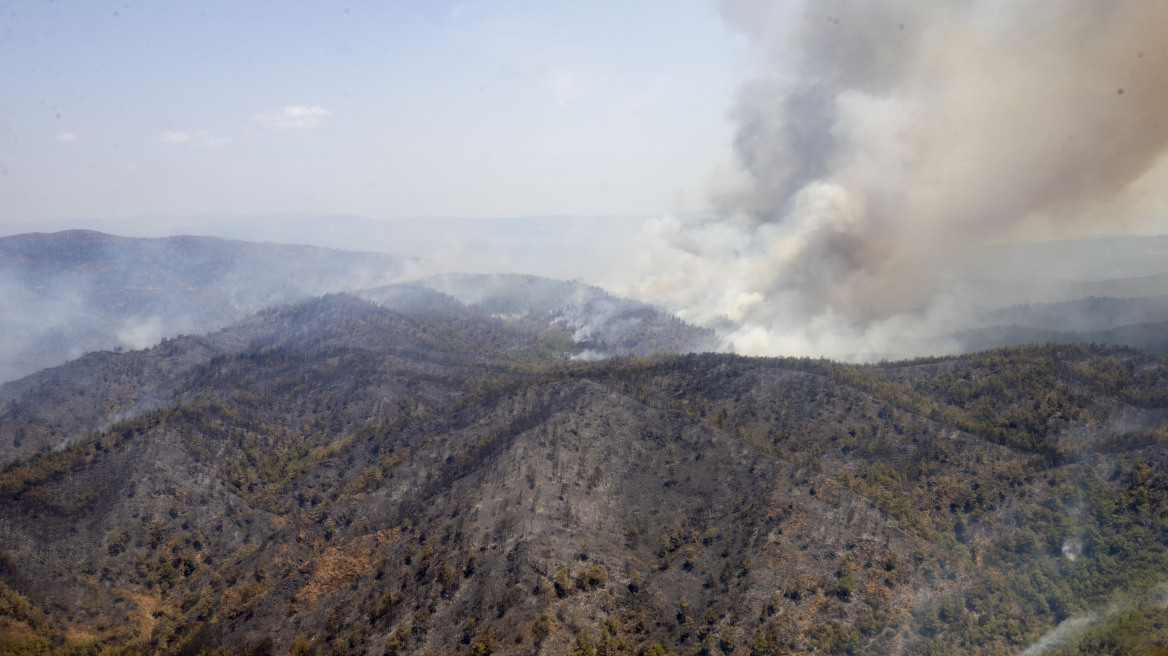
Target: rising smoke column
point(882, 136)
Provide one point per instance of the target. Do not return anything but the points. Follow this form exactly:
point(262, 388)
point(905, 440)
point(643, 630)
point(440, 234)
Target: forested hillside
point(336, 477)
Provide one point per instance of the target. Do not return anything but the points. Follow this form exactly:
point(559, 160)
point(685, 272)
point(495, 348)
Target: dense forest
point(416, 477)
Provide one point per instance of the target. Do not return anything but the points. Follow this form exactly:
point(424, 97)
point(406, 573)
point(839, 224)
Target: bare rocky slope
point(339, 477)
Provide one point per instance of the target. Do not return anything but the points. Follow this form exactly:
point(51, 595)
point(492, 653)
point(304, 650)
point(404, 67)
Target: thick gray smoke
point(884, 138)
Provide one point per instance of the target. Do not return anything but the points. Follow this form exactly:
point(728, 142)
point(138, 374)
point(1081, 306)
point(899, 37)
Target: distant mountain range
point(564, 247)
point(69, 293)
point(997, 295)
point(1106, 290)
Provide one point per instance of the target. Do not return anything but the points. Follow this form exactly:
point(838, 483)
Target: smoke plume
point(883, 139)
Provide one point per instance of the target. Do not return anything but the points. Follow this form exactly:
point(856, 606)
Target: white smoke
point(885, 137)
point(140, 333)
point(1066, 630)
point(1072, 627)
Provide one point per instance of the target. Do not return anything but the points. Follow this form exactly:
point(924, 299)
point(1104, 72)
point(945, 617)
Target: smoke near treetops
point(883, 138)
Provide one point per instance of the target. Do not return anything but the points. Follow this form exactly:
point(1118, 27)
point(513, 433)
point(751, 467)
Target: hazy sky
point(852, 149)
point(384, 109)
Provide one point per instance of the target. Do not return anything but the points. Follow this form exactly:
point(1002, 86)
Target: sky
point(381, 109)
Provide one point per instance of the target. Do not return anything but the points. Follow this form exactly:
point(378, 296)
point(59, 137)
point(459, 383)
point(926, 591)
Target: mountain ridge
point(351, 480)
point(70, 293)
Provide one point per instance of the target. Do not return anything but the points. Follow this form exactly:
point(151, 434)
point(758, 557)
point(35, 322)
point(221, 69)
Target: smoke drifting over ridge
point(885, 138)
